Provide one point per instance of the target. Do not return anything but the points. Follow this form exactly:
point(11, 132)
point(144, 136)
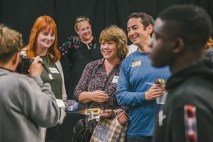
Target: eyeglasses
point(85, 29)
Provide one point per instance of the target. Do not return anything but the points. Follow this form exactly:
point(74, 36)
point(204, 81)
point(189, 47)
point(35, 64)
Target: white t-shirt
point(132, 48)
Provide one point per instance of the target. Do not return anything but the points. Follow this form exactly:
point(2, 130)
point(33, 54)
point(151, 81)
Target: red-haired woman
point(43, 42)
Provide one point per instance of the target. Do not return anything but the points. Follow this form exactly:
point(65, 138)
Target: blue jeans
point(139, 138)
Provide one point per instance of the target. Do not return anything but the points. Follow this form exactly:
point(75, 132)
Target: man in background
point(136, 74)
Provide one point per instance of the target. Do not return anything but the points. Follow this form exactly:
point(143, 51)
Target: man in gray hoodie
point(26, 104)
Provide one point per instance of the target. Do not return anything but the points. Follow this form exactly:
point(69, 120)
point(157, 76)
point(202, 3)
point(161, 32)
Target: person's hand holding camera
point(36, 67)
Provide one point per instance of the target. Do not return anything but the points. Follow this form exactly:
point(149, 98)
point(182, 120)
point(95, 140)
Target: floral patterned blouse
point(78, 56)
point(94, 77)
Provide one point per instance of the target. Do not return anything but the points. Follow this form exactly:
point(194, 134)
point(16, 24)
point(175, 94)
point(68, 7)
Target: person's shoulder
point(70, 37)
point(91, 66)
point(186, 90)
point(95, 42)
point(23, 76)
point(19, 78)
point(73, 39)
point(58, 65)
point(131, 56)
point(95, 63)
point(133, 47)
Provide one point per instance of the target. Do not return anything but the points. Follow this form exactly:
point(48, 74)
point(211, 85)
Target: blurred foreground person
point(187, 115)
point(23, 110)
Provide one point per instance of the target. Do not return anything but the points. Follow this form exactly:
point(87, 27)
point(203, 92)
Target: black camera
point(24, 65)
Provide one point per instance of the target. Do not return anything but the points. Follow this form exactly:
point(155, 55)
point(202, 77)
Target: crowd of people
point(176, 48)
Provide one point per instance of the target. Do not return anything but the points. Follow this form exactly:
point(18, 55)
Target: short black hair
point(146, 18)
point(190, 22)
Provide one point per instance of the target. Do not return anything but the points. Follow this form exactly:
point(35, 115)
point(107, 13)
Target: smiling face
point(161, 45)
point(109, 50)
point(136, 31)
point(45, 39)
point(84, 30)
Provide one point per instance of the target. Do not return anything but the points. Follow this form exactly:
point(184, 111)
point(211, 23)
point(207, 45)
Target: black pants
point(81, 132)
point(139, 138)
point(51, 133)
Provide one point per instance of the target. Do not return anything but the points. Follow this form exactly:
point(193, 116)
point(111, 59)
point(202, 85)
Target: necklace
point(88, 46)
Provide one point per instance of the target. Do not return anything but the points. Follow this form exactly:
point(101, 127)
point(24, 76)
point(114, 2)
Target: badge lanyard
point(48, 72)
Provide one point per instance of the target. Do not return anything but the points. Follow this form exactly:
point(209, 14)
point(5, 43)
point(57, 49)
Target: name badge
point(53, 70)
point(115, 79)
point(136, 64)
